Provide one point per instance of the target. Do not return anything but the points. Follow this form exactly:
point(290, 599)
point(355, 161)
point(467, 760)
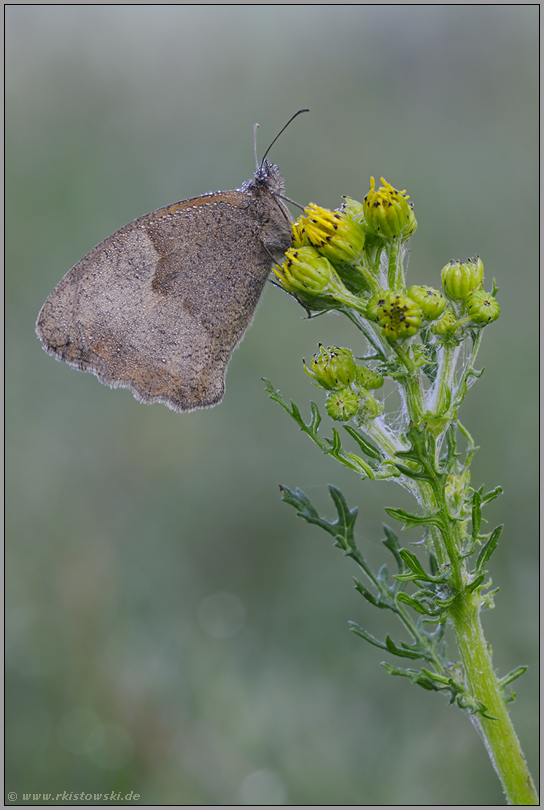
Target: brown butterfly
point(159, 306)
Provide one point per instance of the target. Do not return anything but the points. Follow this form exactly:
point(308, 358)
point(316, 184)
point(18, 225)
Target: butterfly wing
point(159, 306)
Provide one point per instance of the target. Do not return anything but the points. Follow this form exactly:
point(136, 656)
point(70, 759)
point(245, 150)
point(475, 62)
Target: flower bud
point(482, 307)
point(354, 208)
point(368, 379)
point(446, 325)
point(431, 302)
point(398, 315)
point(459, 279)
point(312, 279)
point(300, 238)
point(342, 405)
point(369, 408)
point(388, 213)
point(332, 368)
point(334, 233)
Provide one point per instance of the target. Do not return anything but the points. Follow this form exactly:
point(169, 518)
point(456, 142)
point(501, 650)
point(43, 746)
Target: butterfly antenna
point(255, 128)
point(278, 135)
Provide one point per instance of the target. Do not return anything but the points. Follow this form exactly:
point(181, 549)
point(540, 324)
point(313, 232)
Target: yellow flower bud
point(388, 214)
point(334, 233)
point(309, 276)
point(300, 238)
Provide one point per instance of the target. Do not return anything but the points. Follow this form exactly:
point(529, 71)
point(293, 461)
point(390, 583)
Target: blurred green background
point(172, 628)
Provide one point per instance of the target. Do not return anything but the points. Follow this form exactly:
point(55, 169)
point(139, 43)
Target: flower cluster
point(347, 384)
point(352, 259)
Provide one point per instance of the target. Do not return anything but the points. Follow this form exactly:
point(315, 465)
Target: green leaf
point(515, 673)
point(410, 520)
point(401, 652)
point(476, 514)
point(341, 529)
point(316, 417)
point(410, 473)
point(374, 600)
point(420, 607)
point(474, 584)
point(416, 569)
point(415, 676)
point(367, 636)
point(365, 446)
point(346, 516)
point(392, 543)
point(347, 459)
point(489, 547)
point(490, 496)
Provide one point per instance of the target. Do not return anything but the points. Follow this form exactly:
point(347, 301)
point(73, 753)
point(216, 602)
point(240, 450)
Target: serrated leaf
point(341, 529)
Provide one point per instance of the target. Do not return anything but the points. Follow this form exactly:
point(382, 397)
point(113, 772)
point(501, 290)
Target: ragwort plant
point(353, 261)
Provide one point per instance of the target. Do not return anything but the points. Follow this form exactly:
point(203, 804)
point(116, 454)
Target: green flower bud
point(374, 305)
point(312, 279)
point(459, 279)
point(368, 379)
point(446, 325)
point(431, 302)
point(305, 271)
point(354, 208)
point(335, 234)
point(342, 405)
point(482, 307)
point(398, 315)
point(369, 408)
point(388, 214)
point(332, 368)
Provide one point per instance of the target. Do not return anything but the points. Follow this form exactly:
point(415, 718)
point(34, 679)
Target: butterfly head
point(267, 178)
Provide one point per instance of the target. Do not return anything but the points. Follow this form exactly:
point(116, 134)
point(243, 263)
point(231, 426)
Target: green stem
point(395, 270)
point(498, 733)
point(497, 730)
point(441, 395)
